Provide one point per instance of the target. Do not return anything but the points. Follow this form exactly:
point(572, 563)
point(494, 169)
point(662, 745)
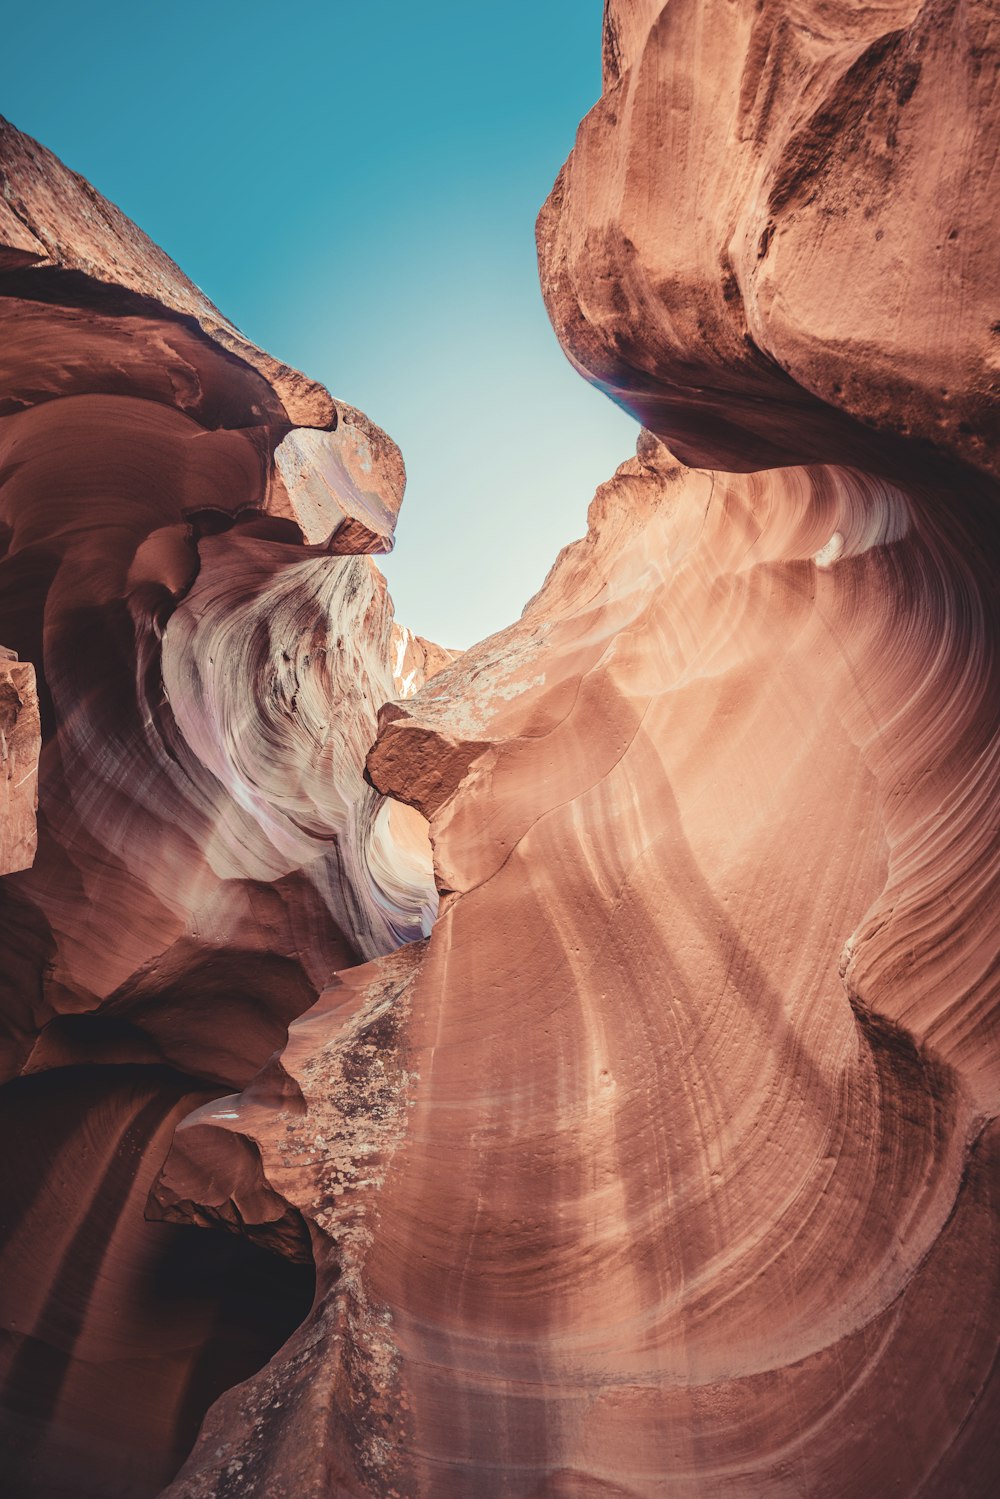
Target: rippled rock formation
point(667, 1162)
point(695, 1187)
point(183, 525)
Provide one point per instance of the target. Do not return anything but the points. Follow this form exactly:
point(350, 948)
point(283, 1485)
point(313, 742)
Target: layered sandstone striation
point(184, 526)
point(667, 1162)
point(697, 1160)
point(695, 1188)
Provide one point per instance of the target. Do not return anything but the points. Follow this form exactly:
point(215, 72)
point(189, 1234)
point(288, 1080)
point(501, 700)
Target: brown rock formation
point(668, 1162)
point(117, 1333)
point(776, 232)
point(20, 736)
point(695, 1190)
point(86, 253)
point(181, 561)
point(695, 1163)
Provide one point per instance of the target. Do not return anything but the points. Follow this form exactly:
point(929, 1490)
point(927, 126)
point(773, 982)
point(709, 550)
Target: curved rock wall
point(667, 1163)
point(695, 1164)
point(183, 562)
point(695, 1188)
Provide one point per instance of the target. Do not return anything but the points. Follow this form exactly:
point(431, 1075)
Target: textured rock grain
point(776, 232)
point(183, 524)
point(696, 1158)
point(697, 1193)
point(667, 1163)
point(20, 740)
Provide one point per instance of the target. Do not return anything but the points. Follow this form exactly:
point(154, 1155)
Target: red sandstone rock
point(415, 660)
point(668, 1162)
point(75, 241)
point(20, 736)
point(696, 1187)
point(344, 487)
point(692, 1171)
point(212, 652)
point(116, 1333)
point(775, 234)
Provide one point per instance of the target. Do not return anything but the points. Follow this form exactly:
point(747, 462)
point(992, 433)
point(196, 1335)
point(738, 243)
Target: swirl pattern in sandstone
point(669, 1164)
point(660, 1204)
point(182, 530)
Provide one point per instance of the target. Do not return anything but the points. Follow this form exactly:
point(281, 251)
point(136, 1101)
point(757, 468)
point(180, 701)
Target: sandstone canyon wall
point(20, 741)
point(667, 1162)
point(183, 526)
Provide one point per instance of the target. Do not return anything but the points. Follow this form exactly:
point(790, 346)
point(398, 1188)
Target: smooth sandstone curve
point(695, 1190)
point(183, 563)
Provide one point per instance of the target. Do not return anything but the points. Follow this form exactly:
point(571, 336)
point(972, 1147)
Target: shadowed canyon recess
point(567, 1069)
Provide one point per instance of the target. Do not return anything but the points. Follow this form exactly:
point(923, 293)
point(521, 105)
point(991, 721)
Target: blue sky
point(355, 185)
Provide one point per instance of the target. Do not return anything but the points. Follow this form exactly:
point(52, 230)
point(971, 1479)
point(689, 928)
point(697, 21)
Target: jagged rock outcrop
point(668, 1162)
point(182, 529)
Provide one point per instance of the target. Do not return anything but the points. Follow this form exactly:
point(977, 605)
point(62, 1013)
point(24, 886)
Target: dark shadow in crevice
point(116, 1333)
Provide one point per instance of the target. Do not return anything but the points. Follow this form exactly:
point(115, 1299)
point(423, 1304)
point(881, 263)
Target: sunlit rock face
point(669, 1164)
point(183, 525)
point(778, 223)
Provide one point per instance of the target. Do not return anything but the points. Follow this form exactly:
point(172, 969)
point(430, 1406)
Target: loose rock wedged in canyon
point(667, 1162)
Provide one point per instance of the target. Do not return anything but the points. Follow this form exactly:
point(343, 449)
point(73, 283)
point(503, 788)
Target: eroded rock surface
point(667, 1162)
point(776, 230)
point(696, 1156)
point(695, 1192)
point(20, 741)
point(183, 524)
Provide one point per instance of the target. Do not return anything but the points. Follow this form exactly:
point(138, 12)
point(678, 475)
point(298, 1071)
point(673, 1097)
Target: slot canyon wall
point(645, 1142)
point(184, 530)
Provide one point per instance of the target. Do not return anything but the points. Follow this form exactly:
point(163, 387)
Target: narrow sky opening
point(356, 187)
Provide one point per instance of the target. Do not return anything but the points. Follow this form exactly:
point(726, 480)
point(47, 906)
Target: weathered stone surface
point(695, 1150)
point(667, 1161)
point(696, 1188)
point(209, 849)
point(344, 487)
point(415, 660)
point(115, 1333)
point(20, 739)
point(320, 1127)
point(776, 232)
point(82, 250)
